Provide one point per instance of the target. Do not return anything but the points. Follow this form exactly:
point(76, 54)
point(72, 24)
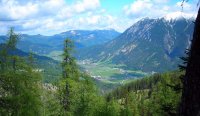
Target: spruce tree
point(70, 74)
point(19, 83)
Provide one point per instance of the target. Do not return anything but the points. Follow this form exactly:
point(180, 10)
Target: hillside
point(149, 45)
point(50, 69)
point(157, 95)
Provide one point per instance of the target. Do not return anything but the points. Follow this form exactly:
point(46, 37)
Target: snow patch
point(178, 15)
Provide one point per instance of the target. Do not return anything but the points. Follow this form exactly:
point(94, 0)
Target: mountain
point(2, 39)
point(86, 37)
point(44, 45)
point(148, 45)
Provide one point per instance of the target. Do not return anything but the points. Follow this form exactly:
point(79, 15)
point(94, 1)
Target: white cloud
point(54, 16)
point(139, 7)
point(78, 8)
point(12, 10)
point(160, 1)
point(40, 16)
point(19, 9)
point(85, 5)
point(178, 14)
point(156, 8)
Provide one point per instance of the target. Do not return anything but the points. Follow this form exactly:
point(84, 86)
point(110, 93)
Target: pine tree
point(70, 69)
point(70, 75)
point(19, 83)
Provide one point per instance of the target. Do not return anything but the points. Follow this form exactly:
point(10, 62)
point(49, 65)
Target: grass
point(56, 55)
point(110, 73)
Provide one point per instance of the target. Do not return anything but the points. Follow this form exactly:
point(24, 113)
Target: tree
point(190, 104)
point(9, 46)
point(78, 96)
point(19, 83)
point(70, 68)
point(70, 75)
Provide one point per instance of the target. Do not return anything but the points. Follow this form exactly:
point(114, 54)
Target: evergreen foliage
point(19, 83)
point(151, 96)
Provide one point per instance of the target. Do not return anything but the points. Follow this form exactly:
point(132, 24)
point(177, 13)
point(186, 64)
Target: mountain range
point(148, 45)
point(44, 45)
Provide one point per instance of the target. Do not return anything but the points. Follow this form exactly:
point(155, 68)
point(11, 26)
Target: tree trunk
point(190, 104)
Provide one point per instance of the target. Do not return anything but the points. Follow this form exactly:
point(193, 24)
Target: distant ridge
point(44, 45)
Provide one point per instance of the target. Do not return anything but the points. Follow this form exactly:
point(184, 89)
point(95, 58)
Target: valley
point(147, 47)
point(110, 73)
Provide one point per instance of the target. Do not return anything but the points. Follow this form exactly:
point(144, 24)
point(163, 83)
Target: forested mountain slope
point(49, 68)
point(157, 95)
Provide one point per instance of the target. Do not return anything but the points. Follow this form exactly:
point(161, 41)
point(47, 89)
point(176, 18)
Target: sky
point(48, 17)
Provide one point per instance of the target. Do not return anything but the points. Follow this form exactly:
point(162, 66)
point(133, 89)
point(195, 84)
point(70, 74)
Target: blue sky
point(49, 17)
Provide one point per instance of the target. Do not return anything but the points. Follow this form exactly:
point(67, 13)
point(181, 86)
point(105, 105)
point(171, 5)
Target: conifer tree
point(19, 83)
point(70, 74)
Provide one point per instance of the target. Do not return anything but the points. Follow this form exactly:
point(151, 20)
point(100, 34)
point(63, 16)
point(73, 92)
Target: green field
point(110, 73)
point(56, 55)
point(105, 72)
